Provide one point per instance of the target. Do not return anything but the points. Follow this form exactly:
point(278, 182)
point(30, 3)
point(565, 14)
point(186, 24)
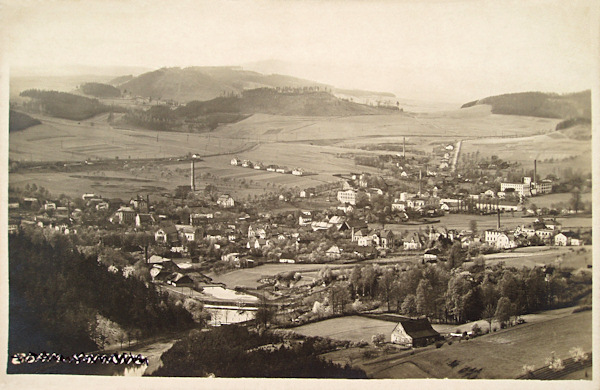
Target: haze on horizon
point(452, 51)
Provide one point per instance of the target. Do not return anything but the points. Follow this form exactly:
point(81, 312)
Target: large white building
point(527, 187)
point(499, 239)
point(348, 196)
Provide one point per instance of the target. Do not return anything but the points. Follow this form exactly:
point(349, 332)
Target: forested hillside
point(20, 121)
point(100, 90)
point(65, 105)
point(207, 115)
point(56, 295)
point(538, 104)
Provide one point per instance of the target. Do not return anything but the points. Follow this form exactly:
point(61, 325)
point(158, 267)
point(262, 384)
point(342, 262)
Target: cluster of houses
point(443, 160)
point(548, 231)
point(269, 168)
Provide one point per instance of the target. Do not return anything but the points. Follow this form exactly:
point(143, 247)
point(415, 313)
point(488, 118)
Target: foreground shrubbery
point(234, 351)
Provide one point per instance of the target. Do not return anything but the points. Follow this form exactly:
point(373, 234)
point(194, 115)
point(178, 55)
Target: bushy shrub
point(577, 354)
point(554, 363)
point(476, 329)
point(378, 339)
point(368, 354)
point(438, 344)
point(362, 344)
point(528, 369)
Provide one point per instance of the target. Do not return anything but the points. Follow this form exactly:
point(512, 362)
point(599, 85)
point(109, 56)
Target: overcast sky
point(431, 50)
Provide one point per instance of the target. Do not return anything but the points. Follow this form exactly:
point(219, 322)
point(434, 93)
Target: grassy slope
point(540, 147)
point(501, 354)
point(353, 328)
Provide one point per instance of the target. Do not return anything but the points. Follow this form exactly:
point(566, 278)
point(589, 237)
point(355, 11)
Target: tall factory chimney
point(498, 227)
point(192, 178)
point(148, 202)
point(404, 147)
point(419, 182)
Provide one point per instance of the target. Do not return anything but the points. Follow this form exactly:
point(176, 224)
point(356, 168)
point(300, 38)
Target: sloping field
point(566, 152)
point(64, 140)
point(497, 355)
point(279, 137)
point(565, 257)
point(353, 328)
point(472, 122)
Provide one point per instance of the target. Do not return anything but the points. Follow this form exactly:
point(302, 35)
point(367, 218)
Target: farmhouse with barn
point(414, 333)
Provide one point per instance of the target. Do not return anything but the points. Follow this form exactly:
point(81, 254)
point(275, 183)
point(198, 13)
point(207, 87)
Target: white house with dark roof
point(225, 201)
point(334, 252)
point(412, 242)
point(567, 239)
point(414, 333)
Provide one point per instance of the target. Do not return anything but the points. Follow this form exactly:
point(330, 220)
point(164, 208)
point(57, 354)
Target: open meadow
point(65, 140)
point(561, 257)
point(498, 355)
point(318, 145)
point(93, 139)
point(554, 152)
point(249, 277)
point(352, 328)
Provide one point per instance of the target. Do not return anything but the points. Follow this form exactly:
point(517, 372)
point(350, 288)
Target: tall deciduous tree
point(424, 298)
point(385, 287)
point(504, 310)
point(409, 305)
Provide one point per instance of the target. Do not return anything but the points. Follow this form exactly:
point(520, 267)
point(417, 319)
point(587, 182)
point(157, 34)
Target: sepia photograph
point(377, 193)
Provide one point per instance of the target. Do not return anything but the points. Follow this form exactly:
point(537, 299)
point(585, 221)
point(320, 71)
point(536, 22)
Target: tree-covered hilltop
point(59, 299)
point(235, 352)
point(65, 105)
point(100, 90)
point(20, 121)
point(207, 115)
point(539, 104)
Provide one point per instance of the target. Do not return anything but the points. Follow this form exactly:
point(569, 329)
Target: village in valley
point(356, 250)
point(325, 190)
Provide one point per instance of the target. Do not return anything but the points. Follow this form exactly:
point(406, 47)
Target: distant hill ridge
point(539, 104)
point(206, 83)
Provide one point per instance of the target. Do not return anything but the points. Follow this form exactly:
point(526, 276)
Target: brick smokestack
point(192, 178)
point(404, 147)
point(498, 227)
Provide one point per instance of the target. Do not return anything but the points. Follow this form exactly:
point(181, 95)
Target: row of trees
point(456, 296)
